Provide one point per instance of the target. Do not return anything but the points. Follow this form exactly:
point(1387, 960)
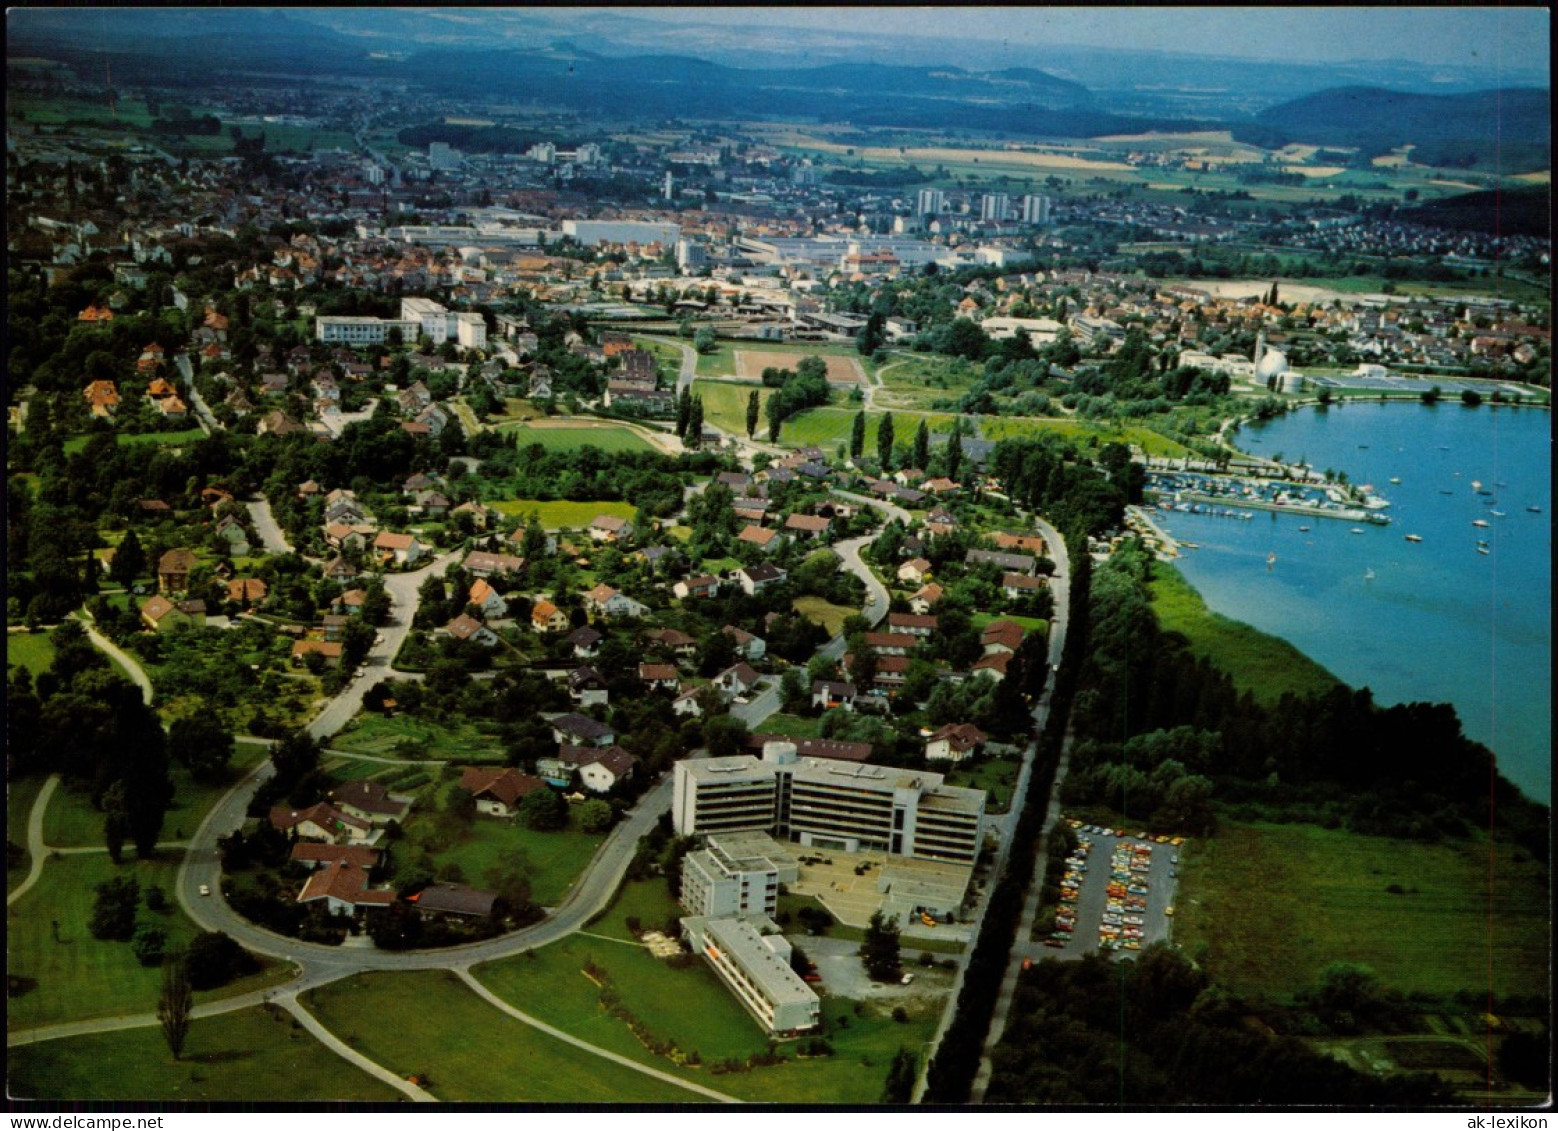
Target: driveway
point(265, 525)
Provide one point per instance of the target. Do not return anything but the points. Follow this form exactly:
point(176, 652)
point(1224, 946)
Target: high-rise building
point(993, 206)
point(930, 202)
point(1035, 209)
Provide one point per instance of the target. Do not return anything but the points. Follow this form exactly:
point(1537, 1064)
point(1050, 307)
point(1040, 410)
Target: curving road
point(35, 845)
point(131, 666)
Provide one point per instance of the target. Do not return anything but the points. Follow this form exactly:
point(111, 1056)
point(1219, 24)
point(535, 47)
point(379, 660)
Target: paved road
point(35, 846)
point(689, 370)
point(402, 589)
point(265, 525)
point(131, 666)
point(324, 1036)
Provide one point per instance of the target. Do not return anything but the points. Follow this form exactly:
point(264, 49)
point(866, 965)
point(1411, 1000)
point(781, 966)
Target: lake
point(1434, 620)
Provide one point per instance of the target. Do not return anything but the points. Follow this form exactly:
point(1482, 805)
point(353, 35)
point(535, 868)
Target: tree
point(129, 560)
point(149, 944)
point(955, 454)
point(921, 445)
point(213, 959)
point(884, 442)
point(683, 413)
point(694, 435)
point(900, 1078)
point(203, 744)
point(113, 912)
point(175, 1002)
point(857, 435)
point(775, 417)
point(544, 811)
point(704, 341)
point(595, 816)
point(754, 403)
point(880, 950)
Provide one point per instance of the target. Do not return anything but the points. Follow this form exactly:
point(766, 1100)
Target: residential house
point(467, 627)
point(751, 647)
point(339, 569)
point(609, 602)
point(658, 677)
point(703, 585)
point(609, 528)
point(323, 821)
point(808, 526)
point(836, 750)
point(926, 597)
point(891, 643)
point(402, 549)
point(587, 687)
point(335, 625)
point(370, 801)
point(158, 613)
point(754, 579)
point(312, 854)
point(547, 617)
point(487, 599)
point(954, 742)
point(991, 665)
point(581, 730)
point(454, 899)
point(1014, 563)
point(344, 888)
point(482, 563)
point(737, 481)
point(914, 624)
point(829, 693)
point(329, 649)
point(173, 570)
point(102, 398)
point(481, 514)
point(914, 571)
point(1001, 636)
point(599, 767)
point(689, 702)
point(738, 679)
point(760, 537)
point(1029, 543)
point(246, 590)
point(674, 640)
point(1016, 585)
point(498, 791)
point(231, 531)
point(585, 641)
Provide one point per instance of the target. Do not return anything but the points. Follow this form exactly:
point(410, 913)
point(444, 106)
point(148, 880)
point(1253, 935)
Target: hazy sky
point(1515, 37)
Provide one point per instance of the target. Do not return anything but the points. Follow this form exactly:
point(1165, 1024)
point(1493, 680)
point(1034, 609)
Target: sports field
point(841, 370)
point(567, 435)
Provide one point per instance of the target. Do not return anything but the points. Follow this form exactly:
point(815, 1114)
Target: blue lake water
point(1437, 620)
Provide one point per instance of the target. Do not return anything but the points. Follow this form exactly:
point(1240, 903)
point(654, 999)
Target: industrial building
point(820, 803)
point(591, 233)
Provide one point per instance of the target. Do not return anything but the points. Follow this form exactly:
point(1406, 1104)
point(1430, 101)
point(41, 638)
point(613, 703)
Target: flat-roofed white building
point(752, 958)
point(470, 330)
point(822, 803)
point(736, 875)
point(353, 330)
point(589, 233)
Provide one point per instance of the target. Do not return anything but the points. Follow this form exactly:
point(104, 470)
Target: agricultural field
point(1265, 666)
point(74, 976)
point(1271, 905)
point(567, 436)
point(725, 405)
point(429, 1024)
point(563, 514)
point(842, 370)
point(257, 1055)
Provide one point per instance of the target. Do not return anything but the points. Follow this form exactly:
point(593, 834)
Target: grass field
point(828, 427)
point(791, 726)
point(30, 650)
point(380, 735)
point(251, 1055)
point(722, 362)
point(1273, 904)
point(1154, 444)
point(79, 976)
point(20, 793)
point(157, 439)
point(1029, 624)
point(606, 437)
point(818, 611)
point(693, 1007)
point(563, 514)
point(996, 776)
point(552, 860)
point(725, 405)
point(1265, 666)
point(430, 1024)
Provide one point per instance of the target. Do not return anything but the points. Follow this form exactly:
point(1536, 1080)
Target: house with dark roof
point(1015, 563)
point(955, 742)
point(751, 647)
point(830, 693)
point(498, 790)
point(585, 641)
point(586, 686)
point(754, 579)
point(322, 821)
point(581, 730)
point(738, 679)
point(467, 627)
point(1001, 636)
point(658, 677)
point(344, 888)
point(173, 570)
point(370, 801)
point(453, 899)
point(599, 767)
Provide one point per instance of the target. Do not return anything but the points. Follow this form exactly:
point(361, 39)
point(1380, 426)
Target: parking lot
point(1118, 893)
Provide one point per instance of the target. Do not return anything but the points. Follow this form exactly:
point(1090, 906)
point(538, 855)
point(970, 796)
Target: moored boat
point(1414, 538)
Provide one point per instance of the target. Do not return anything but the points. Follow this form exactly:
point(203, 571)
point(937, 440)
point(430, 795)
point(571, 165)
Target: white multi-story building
point(736, 875)
point(752, 958)
point(929, 202)
point(822, 803)
point(993, 206)
point(1035, 209)
point(470, 330)
point(352, 330)
point(589, 233)
point(431, 317)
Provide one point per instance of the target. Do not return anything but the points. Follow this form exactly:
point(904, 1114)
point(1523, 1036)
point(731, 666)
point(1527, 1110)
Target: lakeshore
point(1461, 616)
